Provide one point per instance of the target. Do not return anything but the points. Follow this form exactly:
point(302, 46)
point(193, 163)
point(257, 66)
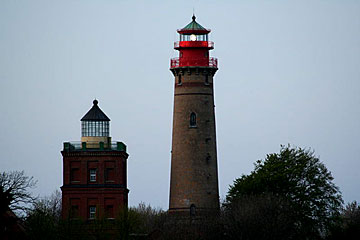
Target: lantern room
point(193, 32)
point(193, 47)
point(95, 127)
point(193, 37)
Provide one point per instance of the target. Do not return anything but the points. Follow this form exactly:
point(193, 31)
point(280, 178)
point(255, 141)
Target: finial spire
point(193, 17)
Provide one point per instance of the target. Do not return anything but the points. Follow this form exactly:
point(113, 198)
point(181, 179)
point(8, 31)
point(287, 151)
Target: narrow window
point(92, 175)
point(92, 212)
point(179, 80)
point(193, 119)
point(192, 210)
point(207, 79)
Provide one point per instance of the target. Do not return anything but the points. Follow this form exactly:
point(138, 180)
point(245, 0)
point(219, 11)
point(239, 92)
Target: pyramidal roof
point(193, 25)
point(95, 114)
point(193, 28)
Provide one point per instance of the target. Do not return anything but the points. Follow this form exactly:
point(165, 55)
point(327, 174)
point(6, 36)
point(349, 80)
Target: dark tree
point(265, 216)
point(351, 217)
point(149, 219)
point(348, 226)
point(14, 197)
point(298, 177)
point(14, 191)
point(42, 220)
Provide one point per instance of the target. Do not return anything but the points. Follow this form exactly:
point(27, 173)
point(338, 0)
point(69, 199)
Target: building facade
point(94, 171)
point(194, 175)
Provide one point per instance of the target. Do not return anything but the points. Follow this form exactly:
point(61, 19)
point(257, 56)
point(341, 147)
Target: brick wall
point(108, 192)
point(194, 178)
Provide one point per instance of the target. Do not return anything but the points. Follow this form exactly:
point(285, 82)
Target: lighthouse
point(94, 171)
point(194, 176)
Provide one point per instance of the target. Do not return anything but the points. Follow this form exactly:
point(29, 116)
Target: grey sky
point(289, 72)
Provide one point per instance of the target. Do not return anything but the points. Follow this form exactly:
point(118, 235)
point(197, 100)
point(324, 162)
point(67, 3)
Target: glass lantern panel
point(194, 37)
point(94, 129)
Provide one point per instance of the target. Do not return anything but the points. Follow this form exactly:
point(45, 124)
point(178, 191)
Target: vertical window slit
point(193, 119)
point(206, 79)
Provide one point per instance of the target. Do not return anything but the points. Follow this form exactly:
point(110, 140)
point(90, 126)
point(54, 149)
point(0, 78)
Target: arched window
point(193, 119)
point(206, 79)
point(179, 80)
point(192, 210)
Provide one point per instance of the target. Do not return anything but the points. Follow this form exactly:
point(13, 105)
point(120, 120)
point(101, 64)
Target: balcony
point(94, 146)
point(193, 44)
point(176, 62)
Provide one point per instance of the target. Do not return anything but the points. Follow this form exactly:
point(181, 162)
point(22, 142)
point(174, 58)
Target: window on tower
point(192, 210)
point(193, 119)
point(92, 175)
point(92, 212)
point(179, 80)
point(206, 79)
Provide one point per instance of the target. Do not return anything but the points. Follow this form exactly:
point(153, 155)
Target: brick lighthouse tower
point(94, 171)
point(194, 175)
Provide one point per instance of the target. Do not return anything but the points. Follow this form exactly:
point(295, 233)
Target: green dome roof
point(193, 27)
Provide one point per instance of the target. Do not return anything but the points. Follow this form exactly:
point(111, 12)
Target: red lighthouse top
point(193, 47)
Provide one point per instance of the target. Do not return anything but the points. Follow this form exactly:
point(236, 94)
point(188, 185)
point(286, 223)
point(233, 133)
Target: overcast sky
point(289, 73)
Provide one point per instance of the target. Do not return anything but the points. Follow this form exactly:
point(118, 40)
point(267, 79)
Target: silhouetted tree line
point(288, 195)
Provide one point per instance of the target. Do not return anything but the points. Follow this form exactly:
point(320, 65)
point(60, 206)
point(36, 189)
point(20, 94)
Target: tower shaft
point(194, 177)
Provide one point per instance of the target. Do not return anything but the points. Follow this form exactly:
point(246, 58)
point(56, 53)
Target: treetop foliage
point(298, 176)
